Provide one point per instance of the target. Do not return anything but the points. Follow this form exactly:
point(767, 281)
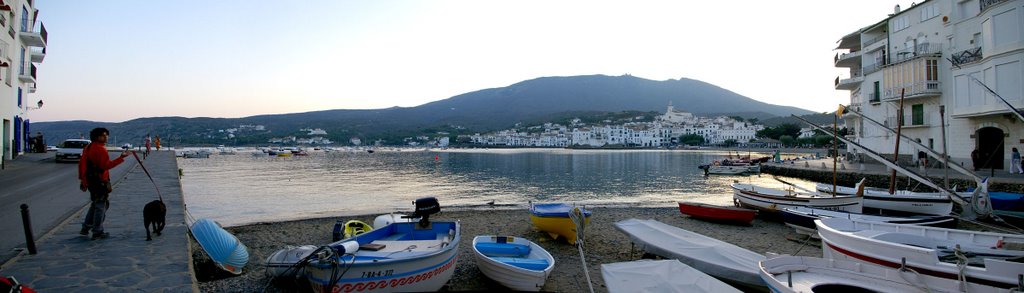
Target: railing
point(872, 68)
point(42, 32)
point(919, 50)
point(32, 71)
point(846, 55)
point(874, 98)
point(985, 4)
point(874, 40)
point(966, 56)
point(919, 88)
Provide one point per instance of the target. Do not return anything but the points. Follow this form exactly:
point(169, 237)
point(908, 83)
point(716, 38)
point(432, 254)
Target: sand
point(604, 244)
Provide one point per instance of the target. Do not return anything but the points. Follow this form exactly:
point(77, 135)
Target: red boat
point(717, 213)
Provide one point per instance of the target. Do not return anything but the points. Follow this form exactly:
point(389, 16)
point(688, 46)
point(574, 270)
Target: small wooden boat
point(985, 258)
point(717, 213)
point(802, 219)
point(771, 200)
point(712, 256)
point(786, 274)
point(667, 275)
point(516, 263)
point(223, 248)
point(402, 257)
point(925, 203)
point(553, 218)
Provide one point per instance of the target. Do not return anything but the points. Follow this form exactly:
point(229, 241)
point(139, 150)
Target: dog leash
point(150, 177)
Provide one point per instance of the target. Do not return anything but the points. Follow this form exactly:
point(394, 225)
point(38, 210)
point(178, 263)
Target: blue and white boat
point(802, 219)
point(225, 249)
point(400, 257)
point(516, 263)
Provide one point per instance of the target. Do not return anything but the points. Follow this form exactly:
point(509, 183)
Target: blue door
point(17, 135)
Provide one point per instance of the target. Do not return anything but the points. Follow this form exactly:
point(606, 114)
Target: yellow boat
point(356, 227)
point(553, 218)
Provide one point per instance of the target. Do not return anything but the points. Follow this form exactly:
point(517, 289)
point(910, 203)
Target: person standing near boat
point(1015, 162)
point(94, 176)
point(156, 141)
point(922, 161)
point(148, 143)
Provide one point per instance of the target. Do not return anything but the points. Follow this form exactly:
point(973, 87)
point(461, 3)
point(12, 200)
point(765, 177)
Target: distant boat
point(772, 200)
point(553, 218)
point(667, 275)
point(516, 263)
point(717, 213)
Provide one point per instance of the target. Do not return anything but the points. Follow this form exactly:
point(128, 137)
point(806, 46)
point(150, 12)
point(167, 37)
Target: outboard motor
point(424, 208)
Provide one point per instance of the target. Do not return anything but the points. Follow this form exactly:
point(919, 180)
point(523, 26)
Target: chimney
point(897, 9)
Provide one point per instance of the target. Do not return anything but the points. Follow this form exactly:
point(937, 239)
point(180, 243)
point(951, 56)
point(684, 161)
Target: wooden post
point(896, 153)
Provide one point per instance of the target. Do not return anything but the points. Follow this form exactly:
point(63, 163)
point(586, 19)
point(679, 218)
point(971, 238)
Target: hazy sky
point(119, 60)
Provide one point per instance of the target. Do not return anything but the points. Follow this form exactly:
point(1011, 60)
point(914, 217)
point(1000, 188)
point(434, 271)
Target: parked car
point(51, 148)
point(71, 149)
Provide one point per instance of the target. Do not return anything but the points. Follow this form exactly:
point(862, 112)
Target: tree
point(738, 118)
point(691, 139)
point(787, 140)
point(730, 142)
point(822, 140)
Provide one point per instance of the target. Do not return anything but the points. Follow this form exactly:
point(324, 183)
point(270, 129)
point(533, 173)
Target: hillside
point(536, 100)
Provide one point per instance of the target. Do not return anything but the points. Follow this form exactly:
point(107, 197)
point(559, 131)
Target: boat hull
point(717, 213)
point(925, 203)
point(787, 274)
point(413, 262)
point(660, 276)
point(802, 219)
point(497, 267)
point(772, 200)
point(554, 219)
point(923, 248)
point(225, 249)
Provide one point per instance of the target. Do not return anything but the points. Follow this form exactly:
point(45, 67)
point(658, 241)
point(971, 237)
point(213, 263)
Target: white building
point(21, 48)
point(317, 131)
point(928, 54)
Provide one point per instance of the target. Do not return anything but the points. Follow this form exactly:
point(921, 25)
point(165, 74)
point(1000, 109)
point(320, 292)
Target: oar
point(794, 185)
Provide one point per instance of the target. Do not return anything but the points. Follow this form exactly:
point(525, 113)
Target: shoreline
point(604, 244)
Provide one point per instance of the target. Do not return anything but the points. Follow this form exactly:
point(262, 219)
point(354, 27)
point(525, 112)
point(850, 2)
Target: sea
point(250, 186)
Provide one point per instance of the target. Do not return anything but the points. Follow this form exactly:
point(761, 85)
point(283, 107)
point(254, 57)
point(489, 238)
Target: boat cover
point(709, 255)
point(659, 276)
point(225, 249)
point(555, 210)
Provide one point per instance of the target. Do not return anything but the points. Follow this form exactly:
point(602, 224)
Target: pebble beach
point(604, 244)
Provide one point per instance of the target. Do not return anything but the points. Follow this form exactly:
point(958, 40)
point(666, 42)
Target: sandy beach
point(604, 244)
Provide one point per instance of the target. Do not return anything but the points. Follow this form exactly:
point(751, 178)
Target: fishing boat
point(802, 219)
point(717, 213)
point(553, 218)
point(925, 203)
point(986, 258)
point(666, 275)
point(516, 263)
point(785, 274)
point(223, 248)
point(772, 200)
point(403, 257)
point(712, 256)
point(725, 170)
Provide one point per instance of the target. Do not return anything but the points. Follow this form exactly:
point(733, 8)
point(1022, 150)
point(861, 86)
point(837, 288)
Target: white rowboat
point(925, 203)
point(516, 263)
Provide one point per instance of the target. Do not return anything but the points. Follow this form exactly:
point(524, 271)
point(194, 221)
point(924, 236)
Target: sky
point(114, 61)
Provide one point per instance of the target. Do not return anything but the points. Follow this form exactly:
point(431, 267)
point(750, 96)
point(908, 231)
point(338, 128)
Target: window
point(900, 23)
point(929, 11)
point(932, 70)
point(917, 112)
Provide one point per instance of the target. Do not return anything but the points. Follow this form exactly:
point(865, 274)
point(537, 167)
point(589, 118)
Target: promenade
point(935, 173)
point(69, 262)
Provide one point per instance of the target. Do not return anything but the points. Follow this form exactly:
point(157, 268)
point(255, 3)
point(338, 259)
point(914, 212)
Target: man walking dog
point(94, 176)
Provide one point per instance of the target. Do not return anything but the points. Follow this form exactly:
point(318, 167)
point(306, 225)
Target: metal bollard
point(30, 241)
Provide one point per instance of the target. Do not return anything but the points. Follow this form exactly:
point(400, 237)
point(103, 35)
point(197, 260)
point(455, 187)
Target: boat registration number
point(374, 274)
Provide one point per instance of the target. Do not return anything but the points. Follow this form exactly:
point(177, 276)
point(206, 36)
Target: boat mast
point(835, 147)
point(945, 155)
point(896, 153)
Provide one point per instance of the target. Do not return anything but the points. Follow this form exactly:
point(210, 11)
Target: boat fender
point(347, 247)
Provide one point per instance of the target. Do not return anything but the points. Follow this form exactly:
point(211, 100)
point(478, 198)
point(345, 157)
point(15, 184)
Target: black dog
point(154, 213)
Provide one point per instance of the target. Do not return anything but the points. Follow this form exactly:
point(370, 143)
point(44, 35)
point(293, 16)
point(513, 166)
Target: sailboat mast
point(896, 153)
point(835, 147)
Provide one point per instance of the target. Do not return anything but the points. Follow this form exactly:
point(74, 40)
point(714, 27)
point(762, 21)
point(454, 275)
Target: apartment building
point(21, 48)
point(934, 60)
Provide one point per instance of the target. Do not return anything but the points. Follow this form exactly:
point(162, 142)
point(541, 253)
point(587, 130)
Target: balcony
point(966, 56)
point(874, 40)
point(985, 4)
point(848, 59)
point(38, 55)
point(874, 99)
point(31, 37)
point(921, 50)
point(32, 88)
point(28, 75)
point(849, 83)
point(917, 90)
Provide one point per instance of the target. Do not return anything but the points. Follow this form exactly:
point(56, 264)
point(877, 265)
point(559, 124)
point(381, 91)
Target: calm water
point(243, 188)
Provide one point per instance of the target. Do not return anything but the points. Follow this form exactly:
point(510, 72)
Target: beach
point(604, 244)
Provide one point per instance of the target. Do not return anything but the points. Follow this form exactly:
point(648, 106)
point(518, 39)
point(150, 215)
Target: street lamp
point(38, 105)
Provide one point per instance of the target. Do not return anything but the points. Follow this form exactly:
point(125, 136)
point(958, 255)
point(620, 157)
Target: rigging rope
point(580, 221)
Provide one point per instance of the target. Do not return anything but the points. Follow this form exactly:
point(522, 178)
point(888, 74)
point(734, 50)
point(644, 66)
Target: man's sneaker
point(84, 232)
point(101, 235)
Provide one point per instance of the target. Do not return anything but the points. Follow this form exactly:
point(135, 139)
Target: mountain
point(530, 101)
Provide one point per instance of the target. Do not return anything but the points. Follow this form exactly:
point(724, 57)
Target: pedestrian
point(148, 143)
point(922, 160)
point(40, 143)
point(976, 159)
point(156, 141)
point(94, 176)
point(1015, 162)
point(777, 157)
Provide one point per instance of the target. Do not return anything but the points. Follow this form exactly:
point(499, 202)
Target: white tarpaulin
point(659, 276)
point(711, 256)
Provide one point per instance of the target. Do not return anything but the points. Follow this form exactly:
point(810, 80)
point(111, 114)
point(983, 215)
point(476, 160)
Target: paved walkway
point(997, 176)
point(69, 262)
